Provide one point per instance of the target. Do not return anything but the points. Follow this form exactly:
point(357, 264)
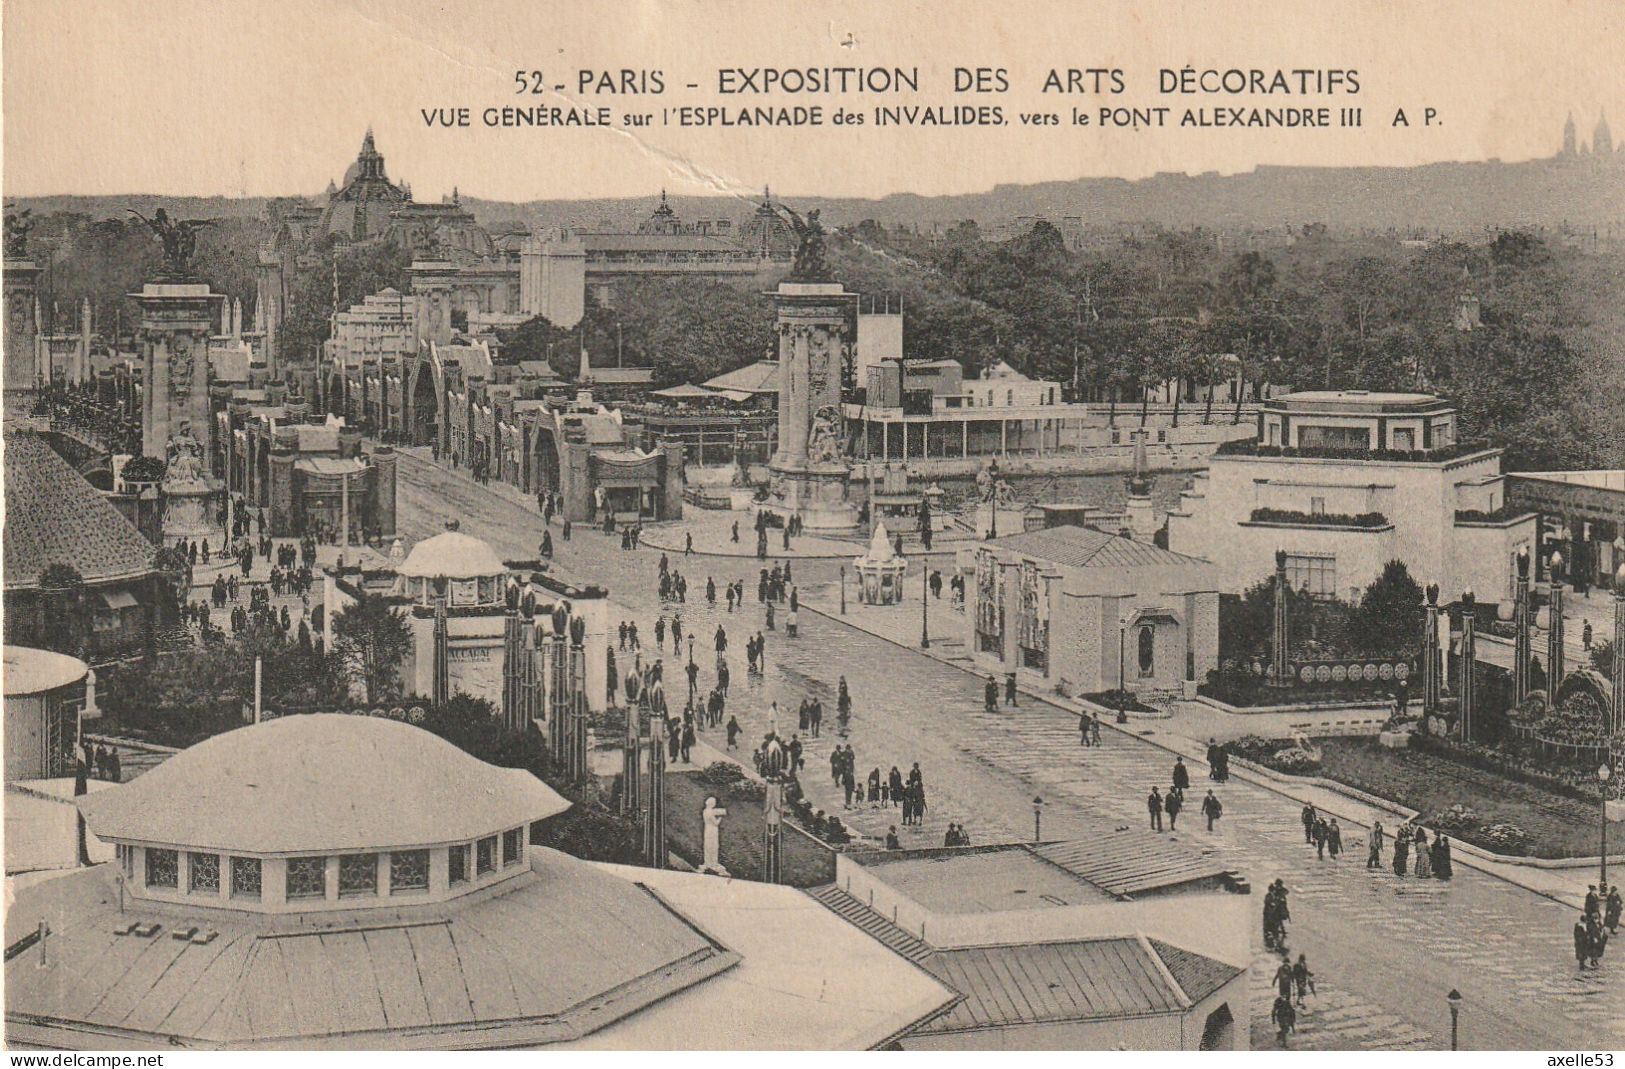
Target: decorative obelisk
point(810, 469)
point(177, 317)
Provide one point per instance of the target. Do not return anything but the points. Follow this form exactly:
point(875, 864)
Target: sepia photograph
point(1067, 417)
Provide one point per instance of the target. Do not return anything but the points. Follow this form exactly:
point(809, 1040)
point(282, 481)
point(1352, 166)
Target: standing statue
point(179, 239)
point(711, 837)
point(810, 265)
point(18, 225)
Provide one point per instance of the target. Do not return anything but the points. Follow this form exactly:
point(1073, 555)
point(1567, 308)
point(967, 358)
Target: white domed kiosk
point(319, 813)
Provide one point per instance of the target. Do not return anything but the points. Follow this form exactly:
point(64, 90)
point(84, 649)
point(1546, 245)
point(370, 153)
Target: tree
point(1389, 616)
point(372, 637)
point(62, 609)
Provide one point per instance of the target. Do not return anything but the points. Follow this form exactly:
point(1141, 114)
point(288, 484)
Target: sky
point(227, 97)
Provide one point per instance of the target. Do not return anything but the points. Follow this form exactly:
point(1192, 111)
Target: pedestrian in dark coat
point(1212, 809)
point(1182, 776)
point(1173, 802)
point(1153, 806)
point(1285, 1018)
point(733, 731)
point(1443, 868)
point(1308, 817)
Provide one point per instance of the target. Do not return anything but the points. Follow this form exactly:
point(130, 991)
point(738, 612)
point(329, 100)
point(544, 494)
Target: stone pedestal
point(817, 494)
point(189, 512)
point(810, 470)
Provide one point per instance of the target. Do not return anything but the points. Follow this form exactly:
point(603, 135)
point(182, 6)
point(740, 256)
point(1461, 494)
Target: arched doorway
point(425, 406)
point(1147, 643)
point(546, 468)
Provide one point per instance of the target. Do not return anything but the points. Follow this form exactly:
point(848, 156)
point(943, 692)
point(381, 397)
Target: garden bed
point(1557, 825)
point(805, 862)
point(1109, 699)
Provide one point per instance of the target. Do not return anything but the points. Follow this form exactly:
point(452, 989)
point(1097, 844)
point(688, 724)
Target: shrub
point(1504, 839)
point(1294, 761)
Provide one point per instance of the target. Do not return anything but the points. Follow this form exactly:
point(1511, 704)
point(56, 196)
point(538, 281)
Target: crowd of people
point(1599, 919)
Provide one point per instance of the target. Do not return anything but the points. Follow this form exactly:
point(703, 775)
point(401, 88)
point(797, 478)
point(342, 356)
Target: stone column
point(22, 326)
point(1280, 639)
point(1430, 653)
point(773, 833)
point(1619, 649)
point(442, 666)
point(1468, 686)
point(1554, 631)
point(1520, 641)
point(654, 822)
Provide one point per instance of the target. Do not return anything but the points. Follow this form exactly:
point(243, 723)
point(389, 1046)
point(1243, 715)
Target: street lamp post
point(843, 590)
point(925, 605)
point(1455, 1000)
point(1603, 774)
point(1038, 820)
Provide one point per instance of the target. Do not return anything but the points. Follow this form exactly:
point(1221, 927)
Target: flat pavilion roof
point(1114, 863)
point(989, 882)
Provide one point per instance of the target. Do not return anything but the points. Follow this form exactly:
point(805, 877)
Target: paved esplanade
point(1390, 948)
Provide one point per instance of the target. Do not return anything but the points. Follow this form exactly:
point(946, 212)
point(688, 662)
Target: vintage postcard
point(728, 526)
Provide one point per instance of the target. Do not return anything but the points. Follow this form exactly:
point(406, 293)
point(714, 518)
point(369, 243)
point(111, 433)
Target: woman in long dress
point(1442, 867)
point(1402, 850)
point(1424, 863)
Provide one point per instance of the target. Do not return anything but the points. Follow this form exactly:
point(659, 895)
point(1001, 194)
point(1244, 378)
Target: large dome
point(452, 555)
point(320, 783)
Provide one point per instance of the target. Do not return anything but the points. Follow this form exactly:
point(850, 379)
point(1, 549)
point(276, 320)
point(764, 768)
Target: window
point(408, 871)
point(358, 875)
point(1274, 434)
point(1313, 437)
point(457, 864)
point(1404, 438)
point(203, 873)
point(162, 868)
point(1316, 575)
point(485, 856)
point(245, 877)
point(512, 847)
point(1148, 652)
point(127, 855)
point(1317, 506)
point(307, 877)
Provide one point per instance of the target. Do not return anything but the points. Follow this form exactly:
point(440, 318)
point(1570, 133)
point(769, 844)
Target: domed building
point(335, 881)
point(360, 208)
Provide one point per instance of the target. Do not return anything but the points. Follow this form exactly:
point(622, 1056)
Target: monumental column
point(22, 320)
point(810, 470)
point(176, 322)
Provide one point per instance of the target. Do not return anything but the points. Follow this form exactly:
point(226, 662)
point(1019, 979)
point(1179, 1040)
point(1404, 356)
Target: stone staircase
point(862, 917)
